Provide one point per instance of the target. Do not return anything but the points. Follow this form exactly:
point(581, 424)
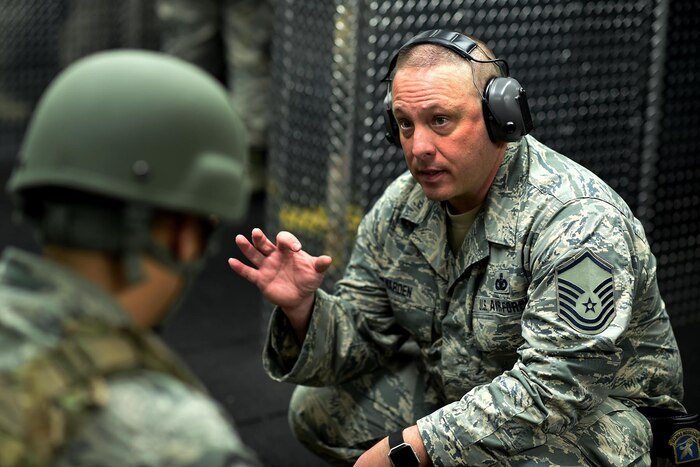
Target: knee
point(328, 423)
point(308, 417)
point(298, 414)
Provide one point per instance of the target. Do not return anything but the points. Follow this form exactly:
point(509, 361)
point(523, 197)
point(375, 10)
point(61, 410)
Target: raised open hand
point(285, 274)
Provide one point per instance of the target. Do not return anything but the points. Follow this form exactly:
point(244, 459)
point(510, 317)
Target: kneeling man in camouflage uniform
point(500, 306)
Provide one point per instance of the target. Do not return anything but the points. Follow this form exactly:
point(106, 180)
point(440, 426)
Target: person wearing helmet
point(130, 162)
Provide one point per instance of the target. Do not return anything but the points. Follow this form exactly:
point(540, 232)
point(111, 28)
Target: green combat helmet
point(143, 128)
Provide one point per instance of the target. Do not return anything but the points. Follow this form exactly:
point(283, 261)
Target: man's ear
point(181, 234)
point(189, 239)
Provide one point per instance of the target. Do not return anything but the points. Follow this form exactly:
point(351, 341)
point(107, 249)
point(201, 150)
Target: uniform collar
point(500, 206)
point(496, 223)
point(430, 233)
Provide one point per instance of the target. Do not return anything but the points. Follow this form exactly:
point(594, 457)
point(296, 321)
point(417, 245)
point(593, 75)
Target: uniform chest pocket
point(414, 308)
point(497, 324)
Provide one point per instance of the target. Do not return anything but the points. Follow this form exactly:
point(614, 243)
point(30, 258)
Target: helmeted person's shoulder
point(154, 419)
point(46, 290)
point(37, 299)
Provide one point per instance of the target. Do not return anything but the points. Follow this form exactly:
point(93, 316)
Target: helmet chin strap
point(187, 270)
point(139, 242)
point(137, 237)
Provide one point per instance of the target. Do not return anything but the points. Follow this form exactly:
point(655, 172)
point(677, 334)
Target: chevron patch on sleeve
point(585, 293)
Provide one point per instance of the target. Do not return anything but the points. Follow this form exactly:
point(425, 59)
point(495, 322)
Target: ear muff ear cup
point(506, 111)
point(390, 124)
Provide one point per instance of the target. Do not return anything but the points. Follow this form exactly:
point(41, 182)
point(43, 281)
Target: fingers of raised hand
point(322, 263)
point(246, 272)
point(262, 243)
point(249, 250)
point(288, 241)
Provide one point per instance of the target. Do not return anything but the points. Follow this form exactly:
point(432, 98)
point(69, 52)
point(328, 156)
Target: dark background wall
point(613, 85)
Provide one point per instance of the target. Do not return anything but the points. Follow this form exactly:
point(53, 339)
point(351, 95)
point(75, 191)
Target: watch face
point(403, 456)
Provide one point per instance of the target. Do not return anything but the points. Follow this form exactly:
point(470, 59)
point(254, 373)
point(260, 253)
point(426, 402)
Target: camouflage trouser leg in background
point(189, 29)
point(247, 35)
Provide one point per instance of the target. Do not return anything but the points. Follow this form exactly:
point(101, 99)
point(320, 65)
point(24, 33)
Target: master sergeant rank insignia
point(585, 293)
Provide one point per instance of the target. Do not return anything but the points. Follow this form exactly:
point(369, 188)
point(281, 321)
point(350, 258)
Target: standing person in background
point(500, 305)
point(130, 162)
point(237, 33)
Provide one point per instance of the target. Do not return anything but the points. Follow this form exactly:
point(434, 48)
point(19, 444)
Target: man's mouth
point(430, 175)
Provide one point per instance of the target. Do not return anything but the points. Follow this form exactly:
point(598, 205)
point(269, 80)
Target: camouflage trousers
point(189, 29)
point(338, 423)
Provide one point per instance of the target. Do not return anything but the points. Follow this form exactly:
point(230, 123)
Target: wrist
point(401, 453)
point(299, 316)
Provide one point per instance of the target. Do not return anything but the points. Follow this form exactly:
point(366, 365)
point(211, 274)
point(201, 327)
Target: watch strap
point(395, 439)
point(401, 454)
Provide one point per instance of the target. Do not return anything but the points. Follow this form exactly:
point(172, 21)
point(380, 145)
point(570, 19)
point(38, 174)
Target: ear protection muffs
point(506, 112)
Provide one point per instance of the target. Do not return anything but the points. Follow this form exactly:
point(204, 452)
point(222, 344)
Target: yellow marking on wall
point(315, 220)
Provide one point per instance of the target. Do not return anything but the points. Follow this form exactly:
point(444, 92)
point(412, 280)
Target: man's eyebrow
point(440, 107)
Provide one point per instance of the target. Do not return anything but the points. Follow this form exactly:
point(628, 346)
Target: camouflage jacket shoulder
point(73, 366)
point(534, 181)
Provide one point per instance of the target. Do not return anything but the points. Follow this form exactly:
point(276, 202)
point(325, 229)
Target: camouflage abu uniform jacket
point(550, 308)
point(143, 416)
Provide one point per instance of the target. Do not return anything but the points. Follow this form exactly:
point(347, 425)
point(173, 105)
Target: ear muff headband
point(506, 112)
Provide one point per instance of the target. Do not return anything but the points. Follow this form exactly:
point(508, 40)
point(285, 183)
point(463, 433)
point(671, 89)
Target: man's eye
point(440, 120)
point(404, 125)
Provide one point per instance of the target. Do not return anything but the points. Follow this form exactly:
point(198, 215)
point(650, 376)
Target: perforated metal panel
point(28, 60)
point(674, 191)
point(583, 64)
point(40, 37)
point(593, 82)
point(304, 119)
point(612, 85)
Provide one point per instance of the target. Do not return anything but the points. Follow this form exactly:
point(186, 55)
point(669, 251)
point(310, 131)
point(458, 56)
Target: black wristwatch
point(401, 454)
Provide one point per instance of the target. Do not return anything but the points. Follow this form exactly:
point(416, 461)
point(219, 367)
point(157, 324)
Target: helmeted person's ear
point(190, 238)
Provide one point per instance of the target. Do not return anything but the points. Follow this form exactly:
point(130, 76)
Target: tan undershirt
point(457, 227)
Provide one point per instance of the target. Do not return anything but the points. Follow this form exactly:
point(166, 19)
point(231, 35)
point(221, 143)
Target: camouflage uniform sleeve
point(153, 419)
point(351, 331)
point(564, 370)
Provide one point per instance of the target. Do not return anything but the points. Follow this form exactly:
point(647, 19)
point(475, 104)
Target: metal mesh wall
point(611, 84)
point(673, 194)
point(583, 64)
point(40, 37)
point(28, 61)
point(302, 58)
point(594, 72)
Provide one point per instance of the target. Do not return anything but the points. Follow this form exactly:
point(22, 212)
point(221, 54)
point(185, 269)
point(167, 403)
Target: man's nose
point(423, 142)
